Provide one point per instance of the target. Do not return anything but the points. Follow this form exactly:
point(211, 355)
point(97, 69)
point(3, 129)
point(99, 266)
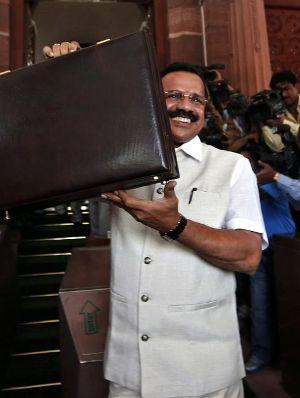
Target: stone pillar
point(250, 57)
point(185, 31)
point(218, 39)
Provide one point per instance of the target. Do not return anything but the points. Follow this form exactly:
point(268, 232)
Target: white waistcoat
point(173, 329)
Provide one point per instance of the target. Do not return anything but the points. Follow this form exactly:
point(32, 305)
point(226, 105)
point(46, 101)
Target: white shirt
point(244, 209)
point(173, 326)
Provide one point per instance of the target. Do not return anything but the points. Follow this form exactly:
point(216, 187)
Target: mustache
point(183, 113)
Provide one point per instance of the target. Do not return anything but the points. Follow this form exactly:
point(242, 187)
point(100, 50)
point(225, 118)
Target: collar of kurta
point(192, 148)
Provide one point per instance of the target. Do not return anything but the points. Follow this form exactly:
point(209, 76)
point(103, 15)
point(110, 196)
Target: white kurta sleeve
point(244, 210)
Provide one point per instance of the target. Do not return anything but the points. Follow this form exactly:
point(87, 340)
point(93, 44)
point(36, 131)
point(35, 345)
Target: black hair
point(282, 77)
point(185, 67)
point(182, 66)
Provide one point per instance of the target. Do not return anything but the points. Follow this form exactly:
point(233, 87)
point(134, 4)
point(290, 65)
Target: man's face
point(289, 93)
point(186, 113)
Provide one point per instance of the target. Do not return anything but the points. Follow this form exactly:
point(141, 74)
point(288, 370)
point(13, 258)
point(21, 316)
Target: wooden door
point(19, 32)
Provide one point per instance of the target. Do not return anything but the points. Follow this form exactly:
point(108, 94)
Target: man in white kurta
point(173, 329)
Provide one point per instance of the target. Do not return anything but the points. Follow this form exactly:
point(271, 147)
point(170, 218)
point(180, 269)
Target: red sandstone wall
point(185, 31)
point(236, 35)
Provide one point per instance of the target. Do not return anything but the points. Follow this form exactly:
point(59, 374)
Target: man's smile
point(182, 119)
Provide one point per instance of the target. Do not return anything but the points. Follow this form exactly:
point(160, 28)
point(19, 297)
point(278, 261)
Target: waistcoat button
point(144, 298)
point(147, 260)
point(160, 190)
point(145, 337)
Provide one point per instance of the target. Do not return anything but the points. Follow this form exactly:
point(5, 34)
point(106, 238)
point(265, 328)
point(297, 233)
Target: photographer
point(281, 140)
point(285, 82)
point(277, 143)
point(278, 220)
point(226, 124)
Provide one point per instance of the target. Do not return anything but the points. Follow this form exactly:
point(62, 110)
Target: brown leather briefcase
point(84, 123)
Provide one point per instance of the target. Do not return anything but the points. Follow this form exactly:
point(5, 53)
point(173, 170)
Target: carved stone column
point(250, 56)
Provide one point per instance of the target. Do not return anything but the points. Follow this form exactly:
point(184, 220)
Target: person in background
point(290, 186)
point(286, 82)
point(278, 220)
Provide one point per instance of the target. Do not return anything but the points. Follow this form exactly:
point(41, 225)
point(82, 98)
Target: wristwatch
point(176, 231)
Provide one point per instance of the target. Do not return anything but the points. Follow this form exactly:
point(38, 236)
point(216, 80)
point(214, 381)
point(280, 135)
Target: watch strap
point(176, 231)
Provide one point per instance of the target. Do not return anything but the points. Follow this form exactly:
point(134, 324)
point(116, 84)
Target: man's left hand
point(161, 214)
point(58, 49)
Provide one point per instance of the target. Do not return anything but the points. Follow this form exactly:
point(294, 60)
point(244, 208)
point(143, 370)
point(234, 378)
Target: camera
point(219, 91)
point(237, 105)
point(265, 105)
point(212, 134)
point(210, 72)
point(247, 113)
point(285, 162)
point(290, 154)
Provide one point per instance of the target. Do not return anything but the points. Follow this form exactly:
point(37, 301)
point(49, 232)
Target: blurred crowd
point(265, 128)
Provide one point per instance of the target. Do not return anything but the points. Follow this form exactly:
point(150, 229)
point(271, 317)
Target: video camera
point(218, 89)
point(237, 105)
point(265, 105)
point(285, 162)
point(212, 134)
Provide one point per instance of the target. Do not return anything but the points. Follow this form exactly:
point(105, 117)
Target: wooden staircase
point(34, 368)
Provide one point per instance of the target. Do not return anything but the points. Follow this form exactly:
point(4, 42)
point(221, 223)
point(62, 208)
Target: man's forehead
point(184, 81)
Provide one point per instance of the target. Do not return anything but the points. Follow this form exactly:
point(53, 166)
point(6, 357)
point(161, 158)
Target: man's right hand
point(59, 49)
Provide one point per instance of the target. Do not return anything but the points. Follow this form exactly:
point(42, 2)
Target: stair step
point(55, 230)
point(39, 308)
point(52, 217)
point(39, 263)
point(48, 239)
point(48, 390)
point(40, 283)
point(37, 336)
point(31, 368)
point(50, 245)
point(44, 257)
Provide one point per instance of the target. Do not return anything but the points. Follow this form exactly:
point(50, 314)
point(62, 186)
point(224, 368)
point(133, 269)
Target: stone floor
point(267, 383)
